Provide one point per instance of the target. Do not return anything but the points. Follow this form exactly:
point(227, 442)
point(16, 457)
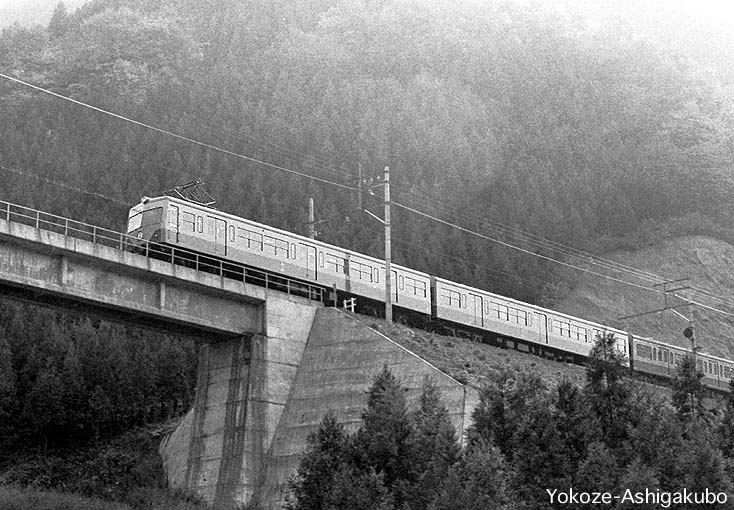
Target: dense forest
point(528, 443)
point(586, 127)
point(576, 126)
point(68, 377)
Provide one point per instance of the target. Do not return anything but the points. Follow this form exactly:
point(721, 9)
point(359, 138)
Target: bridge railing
point(152, 250)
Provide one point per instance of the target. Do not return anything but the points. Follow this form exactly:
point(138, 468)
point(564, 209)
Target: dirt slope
point(708, 262)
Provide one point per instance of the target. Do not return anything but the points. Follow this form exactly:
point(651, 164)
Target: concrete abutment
point(258, 398)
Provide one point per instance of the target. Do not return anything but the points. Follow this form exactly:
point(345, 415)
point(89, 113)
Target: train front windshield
point(140, 217)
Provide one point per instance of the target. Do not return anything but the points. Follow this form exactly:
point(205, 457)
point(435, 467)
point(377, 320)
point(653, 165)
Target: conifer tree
point(7, 386)
point(608, 390)
point(599, 470)
point(328, 454)
point(726, 428)
point(384, 442)
point(435, 447)
point(688, 390)
point(480, 480)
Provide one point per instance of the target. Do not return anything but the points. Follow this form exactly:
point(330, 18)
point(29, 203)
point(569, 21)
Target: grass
point(123, 473)
point(16, 498)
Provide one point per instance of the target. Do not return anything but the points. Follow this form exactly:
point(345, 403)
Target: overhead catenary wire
point(65, 185)
point(177, 135)
point(523, 236)
point(507, 230)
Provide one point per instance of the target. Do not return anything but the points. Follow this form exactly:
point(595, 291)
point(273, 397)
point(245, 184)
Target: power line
point(491, 224)
point(64, 185)
point(523, 250)
point(516, 233)
point(175, 135)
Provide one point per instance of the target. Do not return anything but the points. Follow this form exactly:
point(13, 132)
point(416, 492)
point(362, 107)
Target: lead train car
point(176, 222)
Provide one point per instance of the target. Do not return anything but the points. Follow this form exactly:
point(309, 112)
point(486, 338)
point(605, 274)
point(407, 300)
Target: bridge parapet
point(61, 258)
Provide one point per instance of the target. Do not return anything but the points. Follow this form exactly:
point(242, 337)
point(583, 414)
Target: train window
point(503, 312)
point(361, 271)
point(579, 333)
point(188, 221)
point(152, 216)
point(321, 259)
point(134, 222)
point(293, 251)
point(253, 240)
point(565, 328)
point(519, 316)
point(200, 224)
point(451, 297)
point(463, 300)
point(401, 282)
point(418, 287)
point(231, 233)
point(335, 263)
point(376, 274)
point(276, 246)
point(665, 356)
point(487, 309)
point(644, 351)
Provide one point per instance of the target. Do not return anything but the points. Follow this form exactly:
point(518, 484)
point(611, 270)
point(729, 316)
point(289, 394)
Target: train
point(460, 309)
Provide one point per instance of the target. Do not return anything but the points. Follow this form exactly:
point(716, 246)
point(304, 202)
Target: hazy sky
point(29, 12)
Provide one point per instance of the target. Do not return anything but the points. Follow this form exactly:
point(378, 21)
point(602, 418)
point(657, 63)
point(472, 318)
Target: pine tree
point(384, 442)
point(59, 23)
point(357, 489)
point(598, 471)
point(688, 390)
point(328, 454)
point(435, 448)
point(480, 480)
point(608, 390)
point(726, 428)
point(7, 386)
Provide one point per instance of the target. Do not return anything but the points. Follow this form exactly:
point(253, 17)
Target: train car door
point(542, 327)
point(394, 283)
point(219, 234)
point(478, 310)
point(173, 224)
point(309, 260)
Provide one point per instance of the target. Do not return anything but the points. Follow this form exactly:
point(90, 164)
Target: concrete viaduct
point(275, 362)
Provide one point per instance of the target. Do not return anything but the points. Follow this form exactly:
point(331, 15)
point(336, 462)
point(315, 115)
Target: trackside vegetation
point(611, 434)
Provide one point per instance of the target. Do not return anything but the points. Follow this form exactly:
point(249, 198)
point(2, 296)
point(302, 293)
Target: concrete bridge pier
point(218, 451)
point(258, 398)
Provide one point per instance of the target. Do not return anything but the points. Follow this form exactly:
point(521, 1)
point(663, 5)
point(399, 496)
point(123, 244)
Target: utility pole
point(359, 186)
point(388, 250)
point(311, 223)
point(388, 240)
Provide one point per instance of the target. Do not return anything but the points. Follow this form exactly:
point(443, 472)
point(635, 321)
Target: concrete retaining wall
point(259, 398)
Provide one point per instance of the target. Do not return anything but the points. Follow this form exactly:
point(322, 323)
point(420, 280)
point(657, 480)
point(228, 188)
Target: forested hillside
point(585, 131)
